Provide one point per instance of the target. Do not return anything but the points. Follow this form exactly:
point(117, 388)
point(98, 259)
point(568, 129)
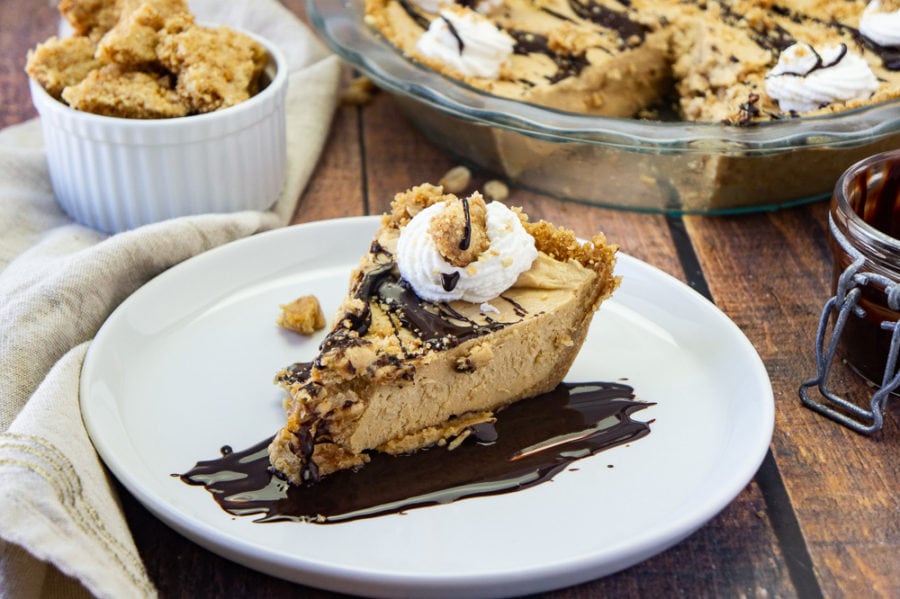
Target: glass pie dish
point(655, 166)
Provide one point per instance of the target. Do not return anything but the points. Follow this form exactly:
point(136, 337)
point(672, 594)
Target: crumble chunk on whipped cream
point(805, 79)
point(464, 249)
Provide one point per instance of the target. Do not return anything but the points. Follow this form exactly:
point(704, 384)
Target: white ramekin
point(115, 174)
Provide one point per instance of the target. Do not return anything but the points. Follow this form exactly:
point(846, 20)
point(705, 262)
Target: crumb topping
point(112, 90)
point(133, 39)
point(215, 67)
point(460, 231)
point(563, 245)
point(60, 62)
point(407, 204)
point(146, 59)
point(91, 18)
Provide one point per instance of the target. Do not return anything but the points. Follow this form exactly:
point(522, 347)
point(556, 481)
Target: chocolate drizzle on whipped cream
point(449, 280)
point(531, 442)
point(819, 63)
point(467, 227)
point(452, 28)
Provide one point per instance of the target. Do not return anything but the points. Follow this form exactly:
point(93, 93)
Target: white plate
point(185, 365)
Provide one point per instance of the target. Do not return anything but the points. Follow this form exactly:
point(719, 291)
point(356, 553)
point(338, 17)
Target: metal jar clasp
point(843, 305)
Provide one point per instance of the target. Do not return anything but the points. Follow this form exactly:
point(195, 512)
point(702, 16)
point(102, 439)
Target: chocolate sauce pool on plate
point(531, 441)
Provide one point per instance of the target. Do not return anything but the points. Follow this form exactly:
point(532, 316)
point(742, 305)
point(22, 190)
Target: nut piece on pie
point(421, 350)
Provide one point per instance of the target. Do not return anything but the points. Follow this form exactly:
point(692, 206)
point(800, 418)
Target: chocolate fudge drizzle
point(435, 323)
point(449, 280)
point(567, 65)
point(604, 16)
point(414, 14)
point(890, 57)
point(530, 443)
point(775, 39)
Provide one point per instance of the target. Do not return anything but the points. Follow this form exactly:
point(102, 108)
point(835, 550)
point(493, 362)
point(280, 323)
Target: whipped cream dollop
point(880, 25)
point(510, 253)
point(467, 42)
point(805, 79)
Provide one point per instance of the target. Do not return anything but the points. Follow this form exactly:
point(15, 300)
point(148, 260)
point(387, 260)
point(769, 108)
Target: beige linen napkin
point(62, 531)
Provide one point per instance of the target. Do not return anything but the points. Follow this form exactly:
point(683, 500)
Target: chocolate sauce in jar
point(866, 212)
point(530, 443)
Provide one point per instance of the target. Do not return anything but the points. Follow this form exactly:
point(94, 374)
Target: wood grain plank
point(336, 187)
point(396, 156)
point(15, 41)
point(771, 274)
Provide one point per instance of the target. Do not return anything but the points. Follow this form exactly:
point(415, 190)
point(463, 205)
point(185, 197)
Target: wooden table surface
point(822, 515)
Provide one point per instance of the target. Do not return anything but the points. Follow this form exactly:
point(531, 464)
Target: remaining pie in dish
point(731, 61)
point(459, 308)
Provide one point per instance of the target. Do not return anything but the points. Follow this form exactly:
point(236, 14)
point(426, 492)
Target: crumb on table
point(358, 92)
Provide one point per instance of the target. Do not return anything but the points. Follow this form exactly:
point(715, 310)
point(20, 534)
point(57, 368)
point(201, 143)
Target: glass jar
point(864, 312)
point(864, 227)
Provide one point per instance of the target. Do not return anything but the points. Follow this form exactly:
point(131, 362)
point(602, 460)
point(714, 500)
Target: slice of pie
point(459, 308)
